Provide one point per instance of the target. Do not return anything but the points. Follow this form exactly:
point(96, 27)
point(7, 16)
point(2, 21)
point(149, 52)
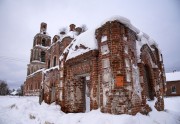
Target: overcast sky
point(20, 21)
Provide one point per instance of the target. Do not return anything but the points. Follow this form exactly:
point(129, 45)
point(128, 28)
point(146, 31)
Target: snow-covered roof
point(123, 20)
point(173, 76)
point(81, 44)
point(71, 34)
point(87, 39)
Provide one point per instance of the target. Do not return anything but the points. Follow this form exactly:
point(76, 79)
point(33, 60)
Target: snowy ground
point(26, 110)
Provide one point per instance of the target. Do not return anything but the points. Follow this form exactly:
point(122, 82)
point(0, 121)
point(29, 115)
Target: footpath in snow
point(26, 110)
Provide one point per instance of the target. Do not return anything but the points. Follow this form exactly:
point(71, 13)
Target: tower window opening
point(43, 42)
point(43, 56)
point(48, 63)
point(54, 64)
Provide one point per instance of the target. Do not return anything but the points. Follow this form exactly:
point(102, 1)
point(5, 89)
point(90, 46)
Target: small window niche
point(49, 62)
point(54, 64)
point(60, 83)
point(106, 75)
point(128, 75)
point(103, 38)
point(105, 63)
point(61, 74)
point(43, 54)
point(124, 38)
point(104, 49)
point(127, 63)
point(126, 49)
point(43, 42)
point(62, 65)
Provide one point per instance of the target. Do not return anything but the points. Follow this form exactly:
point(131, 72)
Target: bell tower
point(43, 28)
point(38, 53)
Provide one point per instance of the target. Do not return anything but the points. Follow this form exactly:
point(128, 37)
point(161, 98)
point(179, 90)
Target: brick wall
point(76, 70)
point(117, 83)
point(32, 84)
point(120, 94)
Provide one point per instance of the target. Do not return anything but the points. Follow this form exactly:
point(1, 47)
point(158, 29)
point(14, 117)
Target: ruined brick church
point(114, 67)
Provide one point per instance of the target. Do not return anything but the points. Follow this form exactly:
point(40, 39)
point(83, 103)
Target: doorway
point(84, 85)
point(87, 93)
point(148, 83)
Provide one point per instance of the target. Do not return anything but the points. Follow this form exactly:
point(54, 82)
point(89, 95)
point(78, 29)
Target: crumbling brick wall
point(76, 69)
point(32, 84)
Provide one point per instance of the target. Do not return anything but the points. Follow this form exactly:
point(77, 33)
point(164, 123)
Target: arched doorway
point(148, 83)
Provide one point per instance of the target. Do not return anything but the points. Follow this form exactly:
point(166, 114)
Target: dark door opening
point(148, 83)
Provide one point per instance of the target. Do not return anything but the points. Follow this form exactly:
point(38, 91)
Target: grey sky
point(20, 21)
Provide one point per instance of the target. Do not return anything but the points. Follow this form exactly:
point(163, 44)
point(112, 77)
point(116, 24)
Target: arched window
point(49, 63)
point(32, 70)
point(54, 64)
point(43, 56)
point(31, 87)
point(43, 42)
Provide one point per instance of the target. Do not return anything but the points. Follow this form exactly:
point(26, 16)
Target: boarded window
point(119, 81)
point(104, 49)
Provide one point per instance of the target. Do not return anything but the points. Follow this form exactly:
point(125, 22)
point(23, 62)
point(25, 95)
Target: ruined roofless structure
point(115, 67)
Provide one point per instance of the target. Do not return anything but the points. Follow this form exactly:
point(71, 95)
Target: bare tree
point(4, 90)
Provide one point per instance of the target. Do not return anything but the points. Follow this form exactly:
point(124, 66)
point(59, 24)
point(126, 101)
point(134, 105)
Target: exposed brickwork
point(37, 61)
point(123, 99)
point(33, 84)
point(114, 77)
